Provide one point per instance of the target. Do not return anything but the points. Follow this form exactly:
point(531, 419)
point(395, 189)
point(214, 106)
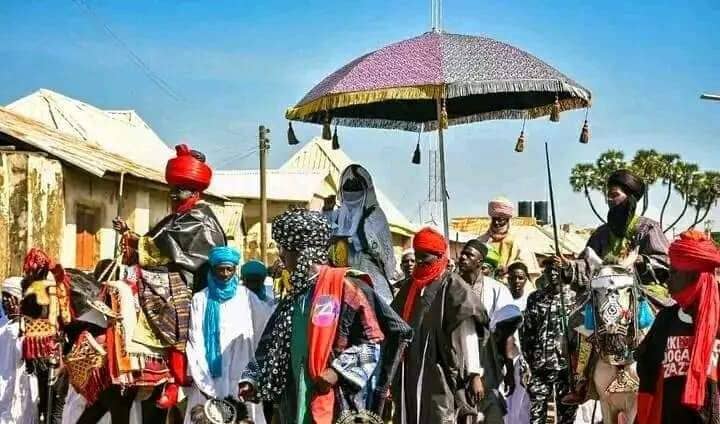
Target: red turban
point(695, 252)
point(188, 170)
point(430, 241)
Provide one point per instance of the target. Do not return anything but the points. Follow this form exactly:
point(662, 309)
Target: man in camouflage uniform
point(544, 345)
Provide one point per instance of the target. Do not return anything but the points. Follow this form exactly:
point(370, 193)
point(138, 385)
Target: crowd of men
point(170, 331)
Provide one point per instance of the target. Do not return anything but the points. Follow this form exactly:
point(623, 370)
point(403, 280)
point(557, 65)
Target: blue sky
point(235, 64)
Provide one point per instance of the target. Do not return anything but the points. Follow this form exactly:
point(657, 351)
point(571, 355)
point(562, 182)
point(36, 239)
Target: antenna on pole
point(436, 15)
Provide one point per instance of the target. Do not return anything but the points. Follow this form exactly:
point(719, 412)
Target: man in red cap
point(678, 361)
point(441, 378)
point(172, 259)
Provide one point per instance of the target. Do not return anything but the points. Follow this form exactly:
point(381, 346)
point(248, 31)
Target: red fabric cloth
point(649, 406)
point(186, 171)
point(187, 204)
point(178, 366)
point(324, 319)
point(36, 262)
point(429, 241)
point(695, 252)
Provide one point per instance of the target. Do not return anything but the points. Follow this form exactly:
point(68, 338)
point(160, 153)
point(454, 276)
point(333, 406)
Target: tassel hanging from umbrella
point(416, 154)
point(292, 139)
point(585, 132)
point(520, 145)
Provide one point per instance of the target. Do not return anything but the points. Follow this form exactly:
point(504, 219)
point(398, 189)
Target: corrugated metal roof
point(122, 132)
point(319, 155)
point(282, 185)
point(89, 157)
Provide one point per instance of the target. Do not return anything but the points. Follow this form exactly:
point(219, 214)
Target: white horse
point(616, 334)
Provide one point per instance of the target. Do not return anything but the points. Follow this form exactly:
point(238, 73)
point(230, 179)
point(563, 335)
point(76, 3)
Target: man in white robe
point(239, 319)
point(18, 389)
point(361, 236)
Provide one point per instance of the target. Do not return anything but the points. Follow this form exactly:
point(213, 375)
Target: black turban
point(518, 265)
point(479, 246)
point(629, 183)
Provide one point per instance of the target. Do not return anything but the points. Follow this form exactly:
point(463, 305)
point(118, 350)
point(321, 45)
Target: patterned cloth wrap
point(40, 333)
point(87, 367)
point(165, 300)
point(40, 339)
point(136, 357)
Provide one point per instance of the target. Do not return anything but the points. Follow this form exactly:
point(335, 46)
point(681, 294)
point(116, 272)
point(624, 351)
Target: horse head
point(613, 310)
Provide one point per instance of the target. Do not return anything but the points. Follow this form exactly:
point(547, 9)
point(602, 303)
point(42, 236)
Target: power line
point(155, 78)
point(237, 157)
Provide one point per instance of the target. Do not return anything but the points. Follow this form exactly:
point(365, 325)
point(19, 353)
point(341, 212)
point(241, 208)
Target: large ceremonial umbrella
point(435, 80)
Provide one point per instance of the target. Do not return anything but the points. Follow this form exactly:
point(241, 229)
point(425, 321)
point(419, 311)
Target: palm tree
point(706, 195)
point(667, 163)
point(646, 165)
point(583, 177)
point(686, 175)
point(607, 163)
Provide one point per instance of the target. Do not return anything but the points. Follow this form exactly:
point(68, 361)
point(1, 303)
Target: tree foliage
point(699, 190)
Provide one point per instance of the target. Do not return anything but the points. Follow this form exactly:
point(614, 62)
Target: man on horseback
point(169, 262)
point(623, 236)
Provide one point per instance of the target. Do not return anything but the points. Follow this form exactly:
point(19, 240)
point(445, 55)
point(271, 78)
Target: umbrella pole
point(441, 144)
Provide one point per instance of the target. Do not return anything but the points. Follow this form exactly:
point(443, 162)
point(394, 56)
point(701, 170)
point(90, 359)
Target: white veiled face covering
point(351, 210)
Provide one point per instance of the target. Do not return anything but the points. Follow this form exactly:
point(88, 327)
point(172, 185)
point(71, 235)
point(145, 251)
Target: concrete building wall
point(142, 207)
point(31, 208)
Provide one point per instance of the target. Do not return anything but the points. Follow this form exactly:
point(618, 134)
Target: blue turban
point(254, 269)
point(223, 254)
point(217, 293)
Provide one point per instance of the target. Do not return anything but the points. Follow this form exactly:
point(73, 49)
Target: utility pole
point(264, 147)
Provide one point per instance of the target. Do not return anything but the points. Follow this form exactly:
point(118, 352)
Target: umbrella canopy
point(397, 87)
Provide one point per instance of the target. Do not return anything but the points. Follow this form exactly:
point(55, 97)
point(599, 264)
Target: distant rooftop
point(122, 132)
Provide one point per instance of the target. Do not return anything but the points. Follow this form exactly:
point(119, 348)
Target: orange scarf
point(324, 319)
point(429, 241)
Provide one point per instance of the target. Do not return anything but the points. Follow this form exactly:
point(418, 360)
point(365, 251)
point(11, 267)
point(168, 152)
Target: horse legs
point(614, 403)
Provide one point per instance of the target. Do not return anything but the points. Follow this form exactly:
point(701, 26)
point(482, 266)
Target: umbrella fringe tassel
point(326, 132)
point(416, 155)
point(578, 96)
point(292, 139)
point(555, 112)
point(520, 145)
point(585, 133)
point(335, 140)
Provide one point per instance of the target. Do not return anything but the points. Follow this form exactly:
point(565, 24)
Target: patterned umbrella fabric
point(478, 78)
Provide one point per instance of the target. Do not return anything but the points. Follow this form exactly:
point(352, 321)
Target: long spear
point(563, 315)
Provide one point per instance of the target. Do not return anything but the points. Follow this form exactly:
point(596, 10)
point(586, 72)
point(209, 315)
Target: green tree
point(606, 164)
point(583, 178)
point(647, 165)
point(685, 176)
point(704, 195)
point(668, 170)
